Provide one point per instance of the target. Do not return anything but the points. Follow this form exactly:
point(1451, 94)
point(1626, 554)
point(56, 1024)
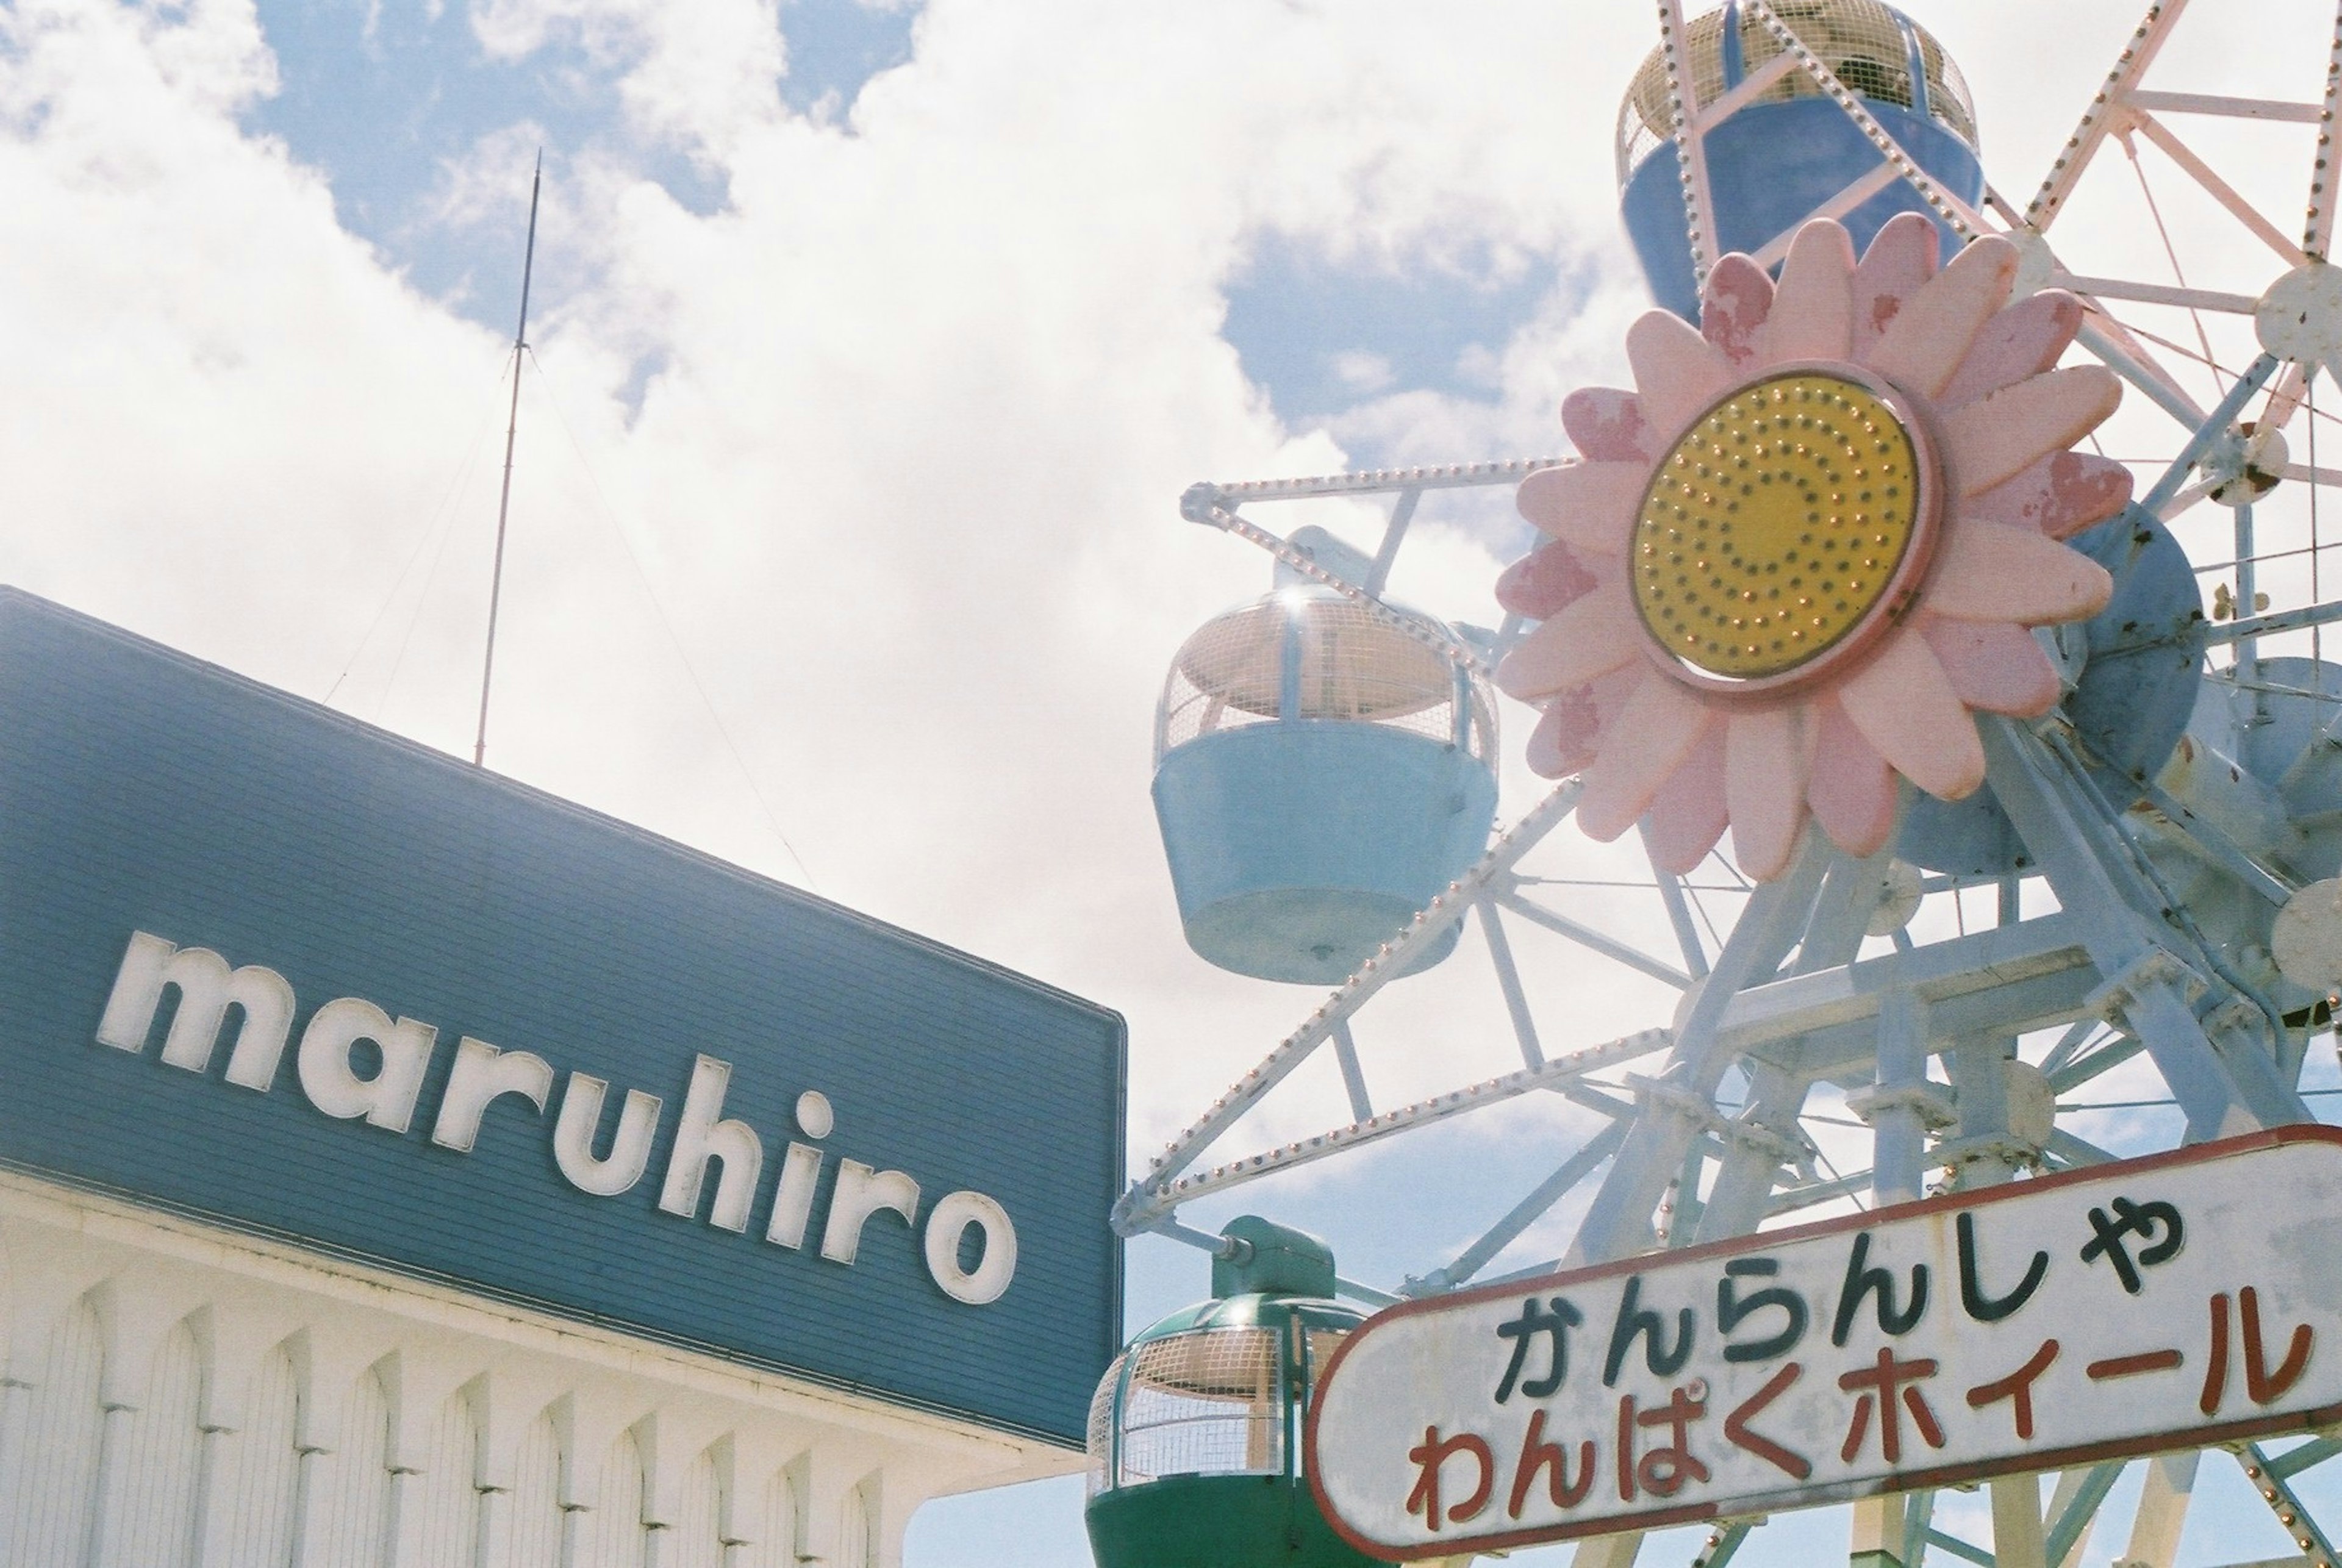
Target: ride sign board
point(2171, 1302)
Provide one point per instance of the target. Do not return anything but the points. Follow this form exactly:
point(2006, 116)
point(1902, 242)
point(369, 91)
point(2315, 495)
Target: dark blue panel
point(140, 791)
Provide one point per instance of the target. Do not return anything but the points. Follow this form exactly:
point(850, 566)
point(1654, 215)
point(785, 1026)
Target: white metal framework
point(1858, 1031)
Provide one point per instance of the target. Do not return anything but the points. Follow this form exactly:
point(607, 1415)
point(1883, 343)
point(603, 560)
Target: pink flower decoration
point(1795, 561)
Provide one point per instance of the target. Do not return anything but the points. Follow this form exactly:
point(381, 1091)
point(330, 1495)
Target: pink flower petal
point(1568, 737)
point(1922, 347)
point(1853, 789)
point(1765, 767)
point(1591, 505)
point(1541, 582)
point(1686, 817)
point(1740, 296)
point(1993, 666)
point(1606, 425)
point(1677, 373)
point(2014, 345)
point(1988, 573)
point(1592, 636)
point(1997, 437)
point(1904, 706)
point(2060, 495)
point(1563, 741)
point(1813, 310)
point(1900, 260)
point(1660, 726)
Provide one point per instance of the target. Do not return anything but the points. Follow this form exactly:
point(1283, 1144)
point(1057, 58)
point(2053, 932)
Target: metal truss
point(1816, 1013)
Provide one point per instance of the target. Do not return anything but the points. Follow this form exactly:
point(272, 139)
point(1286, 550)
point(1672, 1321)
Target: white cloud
point(920, 399)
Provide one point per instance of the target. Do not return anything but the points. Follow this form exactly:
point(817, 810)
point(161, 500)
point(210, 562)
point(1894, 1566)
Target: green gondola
point(1194, 1433)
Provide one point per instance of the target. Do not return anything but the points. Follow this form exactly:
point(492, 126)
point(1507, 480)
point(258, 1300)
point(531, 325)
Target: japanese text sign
point(2171, 1302)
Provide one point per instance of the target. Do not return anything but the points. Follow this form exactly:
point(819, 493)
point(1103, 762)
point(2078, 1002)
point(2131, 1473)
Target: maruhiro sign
point(268, 966)
point(2172, 1302)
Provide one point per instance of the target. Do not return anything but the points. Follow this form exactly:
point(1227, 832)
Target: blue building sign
point(265, 964)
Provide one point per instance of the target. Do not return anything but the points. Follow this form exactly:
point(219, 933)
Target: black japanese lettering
point(2142, 1219)
point(1861, 1280)
point(1986, 1308)
point(1539, 1319)
point(1732, 1309)
point(1633, 1320)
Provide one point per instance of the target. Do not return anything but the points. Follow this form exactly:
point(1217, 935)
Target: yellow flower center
point(1775, 525)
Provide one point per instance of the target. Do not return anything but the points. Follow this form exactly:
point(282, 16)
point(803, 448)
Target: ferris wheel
point(1938, 823)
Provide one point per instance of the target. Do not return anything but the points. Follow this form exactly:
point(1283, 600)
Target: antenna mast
point(511, 428)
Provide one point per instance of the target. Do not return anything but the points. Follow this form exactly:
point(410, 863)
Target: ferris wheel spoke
point(2317, 233)
point(1149, 1201)
point(2272, 1481)
point(1585, 935)
point(2202, 173)
point(2213, 430)
point(2103, 114)
point(2118, 349)
point(1466, 1264)
point(1684, 108)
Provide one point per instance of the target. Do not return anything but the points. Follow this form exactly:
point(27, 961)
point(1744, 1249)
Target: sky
point(873, 343)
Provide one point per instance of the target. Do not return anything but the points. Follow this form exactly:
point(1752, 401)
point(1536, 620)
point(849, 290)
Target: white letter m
point(207, 989)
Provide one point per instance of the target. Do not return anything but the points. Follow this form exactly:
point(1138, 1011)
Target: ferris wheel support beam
point(1149, 1201)
point(1848, 199)
point(1750, 1171)
point(2224, 1082)
point(2162, 1515)
point(1394, 535)
point(2097, 288)
point(2277, 1491)
point(1619, 1220)
point(2225, 108)
point(2073, 1508)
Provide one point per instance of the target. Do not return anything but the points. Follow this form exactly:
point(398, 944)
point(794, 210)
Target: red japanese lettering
point(2016, 1388)
point(1743, 1435)
point(1433, 1453)
point(1668, 1465)
point(1881, 1383)
point(1538, 1455)
point(2262, 1387)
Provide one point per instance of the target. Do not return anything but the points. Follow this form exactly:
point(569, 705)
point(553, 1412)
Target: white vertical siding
point(160, 1463)
point(264, 1468)
point(614, 1533)
point(857, 1533)
point(782, 1528)
point(694, 1540)
point(53, 1482)
point(534, 1536)
point(357, 1511)
point(449, 1490)
point(203, 1464)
